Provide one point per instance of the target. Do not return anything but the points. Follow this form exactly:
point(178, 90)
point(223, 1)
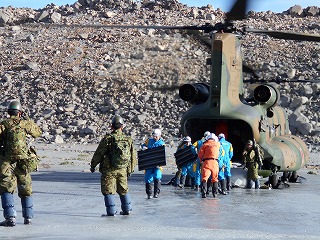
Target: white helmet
point(206, 133)
point(211, 136)
point(156, 132)
point(221, 135)
point(215, 138)
point(187, 139)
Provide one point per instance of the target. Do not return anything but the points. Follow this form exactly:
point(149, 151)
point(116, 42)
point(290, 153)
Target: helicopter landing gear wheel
point(293, 176)
point(273, 180)
point(285, 177)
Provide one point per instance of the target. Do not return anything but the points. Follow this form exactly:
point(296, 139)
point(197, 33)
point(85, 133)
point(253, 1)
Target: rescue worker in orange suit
point(209, 155)
point(196, 166)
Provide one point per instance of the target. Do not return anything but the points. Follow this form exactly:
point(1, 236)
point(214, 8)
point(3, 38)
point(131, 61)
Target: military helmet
point(250, 142)
point(117, 121)
point(14, 106)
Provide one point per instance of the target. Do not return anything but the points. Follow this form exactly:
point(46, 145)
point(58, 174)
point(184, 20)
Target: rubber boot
point(182, 181)
point(192, 183)
point(204, 189)
point(176, 181)
point(149, 190)
point(27, 209)
point(257, 184)
point(157, 185)
point(228, 179)
point(9, 212)
point(223, 187)
point(177, 178)
point(209, 187)
point(110, 205)
point(125, 204)
point(215, 189)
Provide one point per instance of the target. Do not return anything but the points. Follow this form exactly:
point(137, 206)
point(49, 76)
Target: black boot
point(9, 222)
point(157, 185)
point(215, 189)
point(204, 189)
point(149, 190)
point(182, 181)
point(209, 187)
point(228, 183)
point(223, 187)
point(192, 183)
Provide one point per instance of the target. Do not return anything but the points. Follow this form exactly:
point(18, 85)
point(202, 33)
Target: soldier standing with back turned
point(17, 160)
point(117, 159)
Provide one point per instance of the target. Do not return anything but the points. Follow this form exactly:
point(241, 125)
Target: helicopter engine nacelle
point(194, 93)
point(266, 95)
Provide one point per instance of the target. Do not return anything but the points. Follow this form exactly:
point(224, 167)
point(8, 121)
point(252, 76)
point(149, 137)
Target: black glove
point(92, 169)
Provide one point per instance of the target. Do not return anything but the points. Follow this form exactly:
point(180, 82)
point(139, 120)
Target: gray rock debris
point(73, 80)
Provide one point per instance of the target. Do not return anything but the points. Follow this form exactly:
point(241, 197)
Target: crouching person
point(117, 159)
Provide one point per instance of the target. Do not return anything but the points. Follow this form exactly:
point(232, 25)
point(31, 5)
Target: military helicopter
point(221, 106)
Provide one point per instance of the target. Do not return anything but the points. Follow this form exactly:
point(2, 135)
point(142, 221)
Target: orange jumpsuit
point(208, 155)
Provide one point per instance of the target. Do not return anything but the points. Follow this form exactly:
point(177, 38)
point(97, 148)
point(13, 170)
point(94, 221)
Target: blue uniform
point(196, 167)
point(153, 173)
point(188, 168)
point(228, 154)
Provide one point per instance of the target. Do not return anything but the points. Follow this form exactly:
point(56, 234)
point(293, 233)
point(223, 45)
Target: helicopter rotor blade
point(278, 81)
point(205, 27)
point(202, 38)
point(238, 11)
point(286, 35)
point(248, 69)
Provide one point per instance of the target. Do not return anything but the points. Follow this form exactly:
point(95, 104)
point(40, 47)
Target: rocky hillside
point(72, 79)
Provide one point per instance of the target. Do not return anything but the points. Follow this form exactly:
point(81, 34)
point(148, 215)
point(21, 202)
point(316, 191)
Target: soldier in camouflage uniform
point(115, 166)
point(17, 160)
point(252, 157)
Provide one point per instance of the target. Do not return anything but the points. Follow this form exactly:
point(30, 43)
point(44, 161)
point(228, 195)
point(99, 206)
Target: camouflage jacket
point(249, 155)
point(102, 153)
point(13, 134)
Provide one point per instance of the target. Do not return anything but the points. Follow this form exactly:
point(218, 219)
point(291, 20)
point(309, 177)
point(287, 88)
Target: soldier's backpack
point(120, 153)
point(15, 140)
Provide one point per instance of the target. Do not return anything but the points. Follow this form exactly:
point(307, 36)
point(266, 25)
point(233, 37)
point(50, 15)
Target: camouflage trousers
point(15, 174)
point(115, 181)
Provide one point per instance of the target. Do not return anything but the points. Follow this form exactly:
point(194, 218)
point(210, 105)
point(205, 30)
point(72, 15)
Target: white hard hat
point(211, 136)
point(156, 132)
point(187, 139)
point(221, 135)
point(206, 133)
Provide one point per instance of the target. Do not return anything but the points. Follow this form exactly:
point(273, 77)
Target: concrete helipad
point(68, 205)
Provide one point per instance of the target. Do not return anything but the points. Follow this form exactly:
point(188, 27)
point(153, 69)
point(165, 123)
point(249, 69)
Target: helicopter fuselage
point(225, 110)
